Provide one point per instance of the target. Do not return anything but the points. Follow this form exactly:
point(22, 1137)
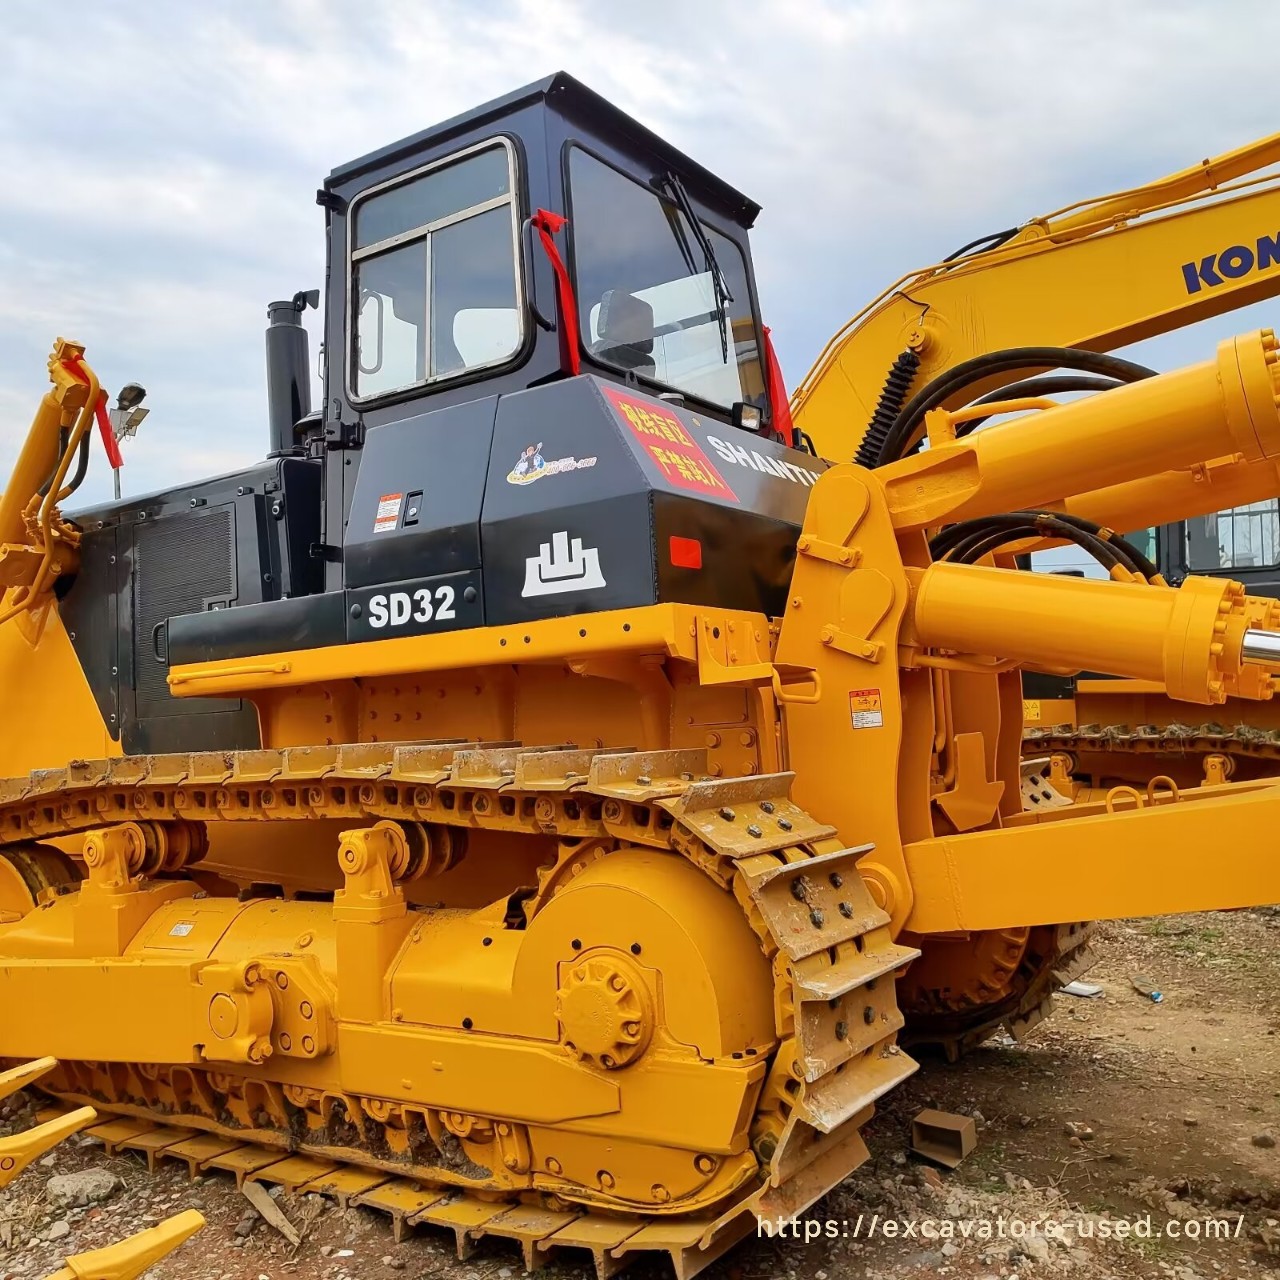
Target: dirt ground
point(1117, 1108)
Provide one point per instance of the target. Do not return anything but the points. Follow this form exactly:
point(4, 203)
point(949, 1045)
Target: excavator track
point(1242, 746)
point(833, 960)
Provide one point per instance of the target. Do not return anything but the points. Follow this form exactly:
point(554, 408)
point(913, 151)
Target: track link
point(833, 960)
point(1241, 744)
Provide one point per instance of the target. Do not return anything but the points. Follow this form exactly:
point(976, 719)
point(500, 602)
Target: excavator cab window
point(435, 287)
point(649, 300)
point(1245, 537)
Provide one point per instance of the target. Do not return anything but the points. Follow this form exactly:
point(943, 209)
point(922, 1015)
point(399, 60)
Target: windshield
point(647, 301)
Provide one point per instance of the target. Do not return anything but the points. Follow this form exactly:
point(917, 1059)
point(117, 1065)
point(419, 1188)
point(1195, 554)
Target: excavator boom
point(1096, 275)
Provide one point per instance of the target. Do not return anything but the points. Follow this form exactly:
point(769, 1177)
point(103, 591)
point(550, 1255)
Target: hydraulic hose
point(64, 435)
point(1047, 385)
point(969, 540)
point(983, 244)
point(899, 434)
point(82, 468)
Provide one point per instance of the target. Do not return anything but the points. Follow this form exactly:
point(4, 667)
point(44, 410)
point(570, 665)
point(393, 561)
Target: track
point(1249, 751)
point(1039, 961)
point(797, 885)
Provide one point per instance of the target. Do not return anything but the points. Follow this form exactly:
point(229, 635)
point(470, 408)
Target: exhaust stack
point(288, 368)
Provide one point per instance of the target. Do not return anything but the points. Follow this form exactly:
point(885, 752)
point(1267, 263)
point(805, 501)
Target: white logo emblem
point(559, 567)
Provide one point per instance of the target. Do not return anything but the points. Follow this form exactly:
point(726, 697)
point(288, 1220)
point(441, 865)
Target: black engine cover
point(590, 496)
point(574, 497)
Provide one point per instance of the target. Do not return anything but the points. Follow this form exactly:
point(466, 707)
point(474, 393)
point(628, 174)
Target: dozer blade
point(130, 1258)
point(21, 1149)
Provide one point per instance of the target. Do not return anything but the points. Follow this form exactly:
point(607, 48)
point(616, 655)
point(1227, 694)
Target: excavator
point(541, 798)
point(988, 324)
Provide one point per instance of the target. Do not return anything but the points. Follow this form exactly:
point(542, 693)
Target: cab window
point(647, 300)
point(434, 282)
point(1242, 538)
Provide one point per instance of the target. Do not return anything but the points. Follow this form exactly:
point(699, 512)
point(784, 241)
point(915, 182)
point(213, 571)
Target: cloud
point(160, 169)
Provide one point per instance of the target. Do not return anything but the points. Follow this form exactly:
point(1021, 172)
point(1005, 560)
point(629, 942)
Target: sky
point(161, 159)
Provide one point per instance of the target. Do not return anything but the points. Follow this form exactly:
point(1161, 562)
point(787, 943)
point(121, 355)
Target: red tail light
point(686, 553)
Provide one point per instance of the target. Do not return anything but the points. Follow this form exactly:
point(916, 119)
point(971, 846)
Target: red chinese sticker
point(678, 455)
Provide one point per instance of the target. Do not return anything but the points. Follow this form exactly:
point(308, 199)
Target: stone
point(89, 1186)
point(950, 1249)
point(931, 1178)
point(58, 1230)
point(1034, 1247)
point(1263, 1140)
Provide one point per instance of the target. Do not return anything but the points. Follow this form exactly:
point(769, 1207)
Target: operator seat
point(625, 326)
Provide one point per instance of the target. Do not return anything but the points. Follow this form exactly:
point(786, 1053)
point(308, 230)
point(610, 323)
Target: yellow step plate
point(601, 1235)
point(343, 1184)
point(153, 1143)
point(403, 1200)
point(293, 1172)
point(465, 1216)
point(112, 1133)
point(528, 1225)
point(244, 1161)
point(681, 1241)
point(198, 1151)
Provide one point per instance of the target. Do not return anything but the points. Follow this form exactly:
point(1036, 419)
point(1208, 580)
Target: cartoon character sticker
point(531, 465)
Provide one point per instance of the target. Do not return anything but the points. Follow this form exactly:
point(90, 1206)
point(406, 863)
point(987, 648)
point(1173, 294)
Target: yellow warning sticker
point(866, 708)
point(1031, 710)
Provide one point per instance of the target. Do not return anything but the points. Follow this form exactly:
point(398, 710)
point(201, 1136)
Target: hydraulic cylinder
point(1223, 407)
point(1196, 639)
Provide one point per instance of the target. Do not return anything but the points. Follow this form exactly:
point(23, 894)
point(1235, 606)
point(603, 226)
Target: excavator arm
point(1094, 276)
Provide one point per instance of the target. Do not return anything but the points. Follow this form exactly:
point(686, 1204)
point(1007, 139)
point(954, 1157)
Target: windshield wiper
point(719, 287)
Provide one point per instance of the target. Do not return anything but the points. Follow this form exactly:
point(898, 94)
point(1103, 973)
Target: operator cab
point(547, 393)
point(491, 283)
point(439, 278)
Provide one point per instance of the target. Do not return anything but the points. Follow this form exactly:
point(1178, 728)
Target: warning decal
point(865, 708)
point(388, 515)
point(1031, 710)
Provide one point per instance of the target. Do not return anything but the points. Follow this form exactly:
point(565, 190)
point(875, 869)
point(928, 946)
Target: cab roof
point(591, 113)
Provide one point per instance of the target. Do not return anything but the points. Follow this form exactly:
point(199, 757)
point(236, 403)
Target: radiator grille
point(180, 564)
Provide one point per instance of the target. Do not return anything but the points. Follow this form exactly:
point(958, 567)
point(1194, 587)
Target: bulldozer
point(991, 323)
point(544, 799)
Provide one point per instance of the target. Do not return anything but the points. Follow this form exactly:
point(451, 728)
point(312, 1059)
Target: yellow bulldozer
point(538, 799)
